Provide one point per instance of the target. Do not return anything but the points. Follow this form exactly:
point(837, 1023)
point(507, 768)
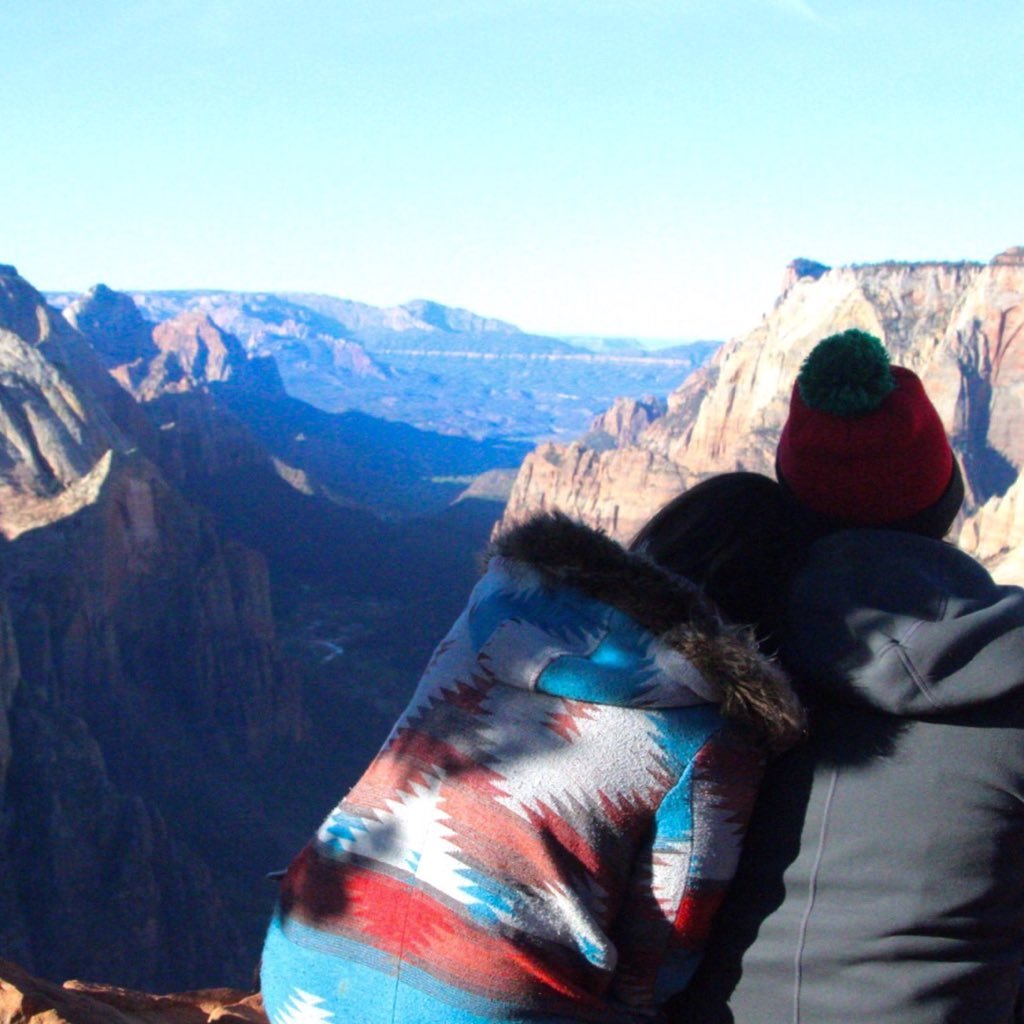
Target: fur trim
point(754, 689)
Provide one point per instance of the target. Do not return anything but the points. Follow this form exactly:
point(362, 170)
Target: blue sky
point(630, 167)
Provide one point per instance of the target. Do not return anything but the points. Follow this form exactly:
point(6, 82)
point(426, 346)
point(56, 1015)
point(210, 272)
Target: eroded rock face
point(50, 435)
point(960, 326)
point(139, 676)
point(99, 878)
point(995, 533)
point(736, 422)
point(615, 490)
point(113, 325)
point(29, 1000)
point(625, 421)
point(185, 353)
point(25, 314)
point(215, 409)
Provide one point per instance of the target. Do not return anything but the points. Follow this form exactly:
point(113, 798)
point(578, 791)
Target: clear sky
point(619, 167)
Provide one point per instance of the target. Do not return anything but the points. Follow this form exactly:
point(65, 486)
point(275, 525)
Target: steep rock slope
point(185, 353)
point(137, 656)
point(151, 735)
point(960, 326)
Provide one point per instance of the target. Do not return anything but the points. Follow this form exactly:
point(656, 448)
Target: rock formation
point(28, 1000)
point(443, 370)
point(113, 325)
point(216, 406)
point(137, 648)
point(188, 352)
point(615, 490)
point(624, 422)
point(960, 326)
point(157, 753)
point(271, 325)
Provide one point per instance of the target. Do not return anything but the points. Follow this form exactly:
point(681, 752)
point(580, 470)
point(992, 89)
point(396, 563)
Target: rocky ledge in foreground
point(28, 1000)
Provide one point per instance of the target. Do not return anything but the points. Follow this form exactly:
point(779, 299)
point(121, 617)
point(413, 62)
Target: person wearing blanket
point(551, 824)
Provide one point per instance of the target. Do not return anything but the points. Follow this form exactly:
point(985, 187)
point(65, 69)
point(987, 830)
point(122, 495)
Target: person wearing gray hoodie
point(883, 874)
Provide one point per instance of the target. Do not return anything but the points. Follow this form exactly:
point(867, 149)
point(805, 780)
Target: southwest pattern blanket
point(544, 836)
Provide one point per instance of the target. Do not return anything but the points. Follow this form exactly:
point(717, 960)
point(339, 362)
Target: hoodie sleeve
point(681, 876)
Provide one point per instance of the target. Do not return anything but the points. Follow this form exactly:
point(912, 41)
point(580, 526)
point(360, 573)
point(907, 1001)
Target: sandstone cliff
point(960, 326)
point(137, 648)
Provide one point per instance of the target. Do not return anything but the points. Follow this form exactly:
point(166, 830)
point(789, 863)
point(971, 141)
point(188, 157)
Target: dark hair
point(738, 536)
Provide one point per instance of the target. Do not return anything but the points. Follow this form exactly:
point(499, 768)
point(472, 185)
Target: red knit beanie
point(863, 444)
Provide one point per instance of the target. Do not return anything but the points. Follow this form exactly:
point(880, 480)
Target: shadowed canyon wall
point(138, 658)
point(165, 506)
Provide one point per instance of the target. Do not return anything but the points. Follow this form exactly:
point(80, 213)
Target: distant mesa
point(8, 270)
point(1012, 257)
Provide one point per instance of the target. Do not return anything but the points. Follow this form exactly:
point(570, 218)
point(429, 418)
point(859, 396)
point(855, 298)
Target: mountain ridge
point(438, 368)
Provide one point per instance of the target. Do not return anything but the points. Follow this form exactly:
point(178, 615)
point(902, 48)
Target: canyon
point(444, 370)
point(215, 595)
point(181, 542)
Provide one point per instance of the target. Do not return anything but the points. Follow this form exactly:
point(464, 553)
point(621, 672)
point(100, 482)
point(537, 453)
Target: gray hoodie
point(883, 875)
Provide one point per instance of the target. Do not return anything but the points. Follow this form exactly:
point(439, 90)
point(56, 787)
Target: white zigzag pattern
point(411, 835)
point(577, 926)
point(394, 829)
point(302, 1008)
point(668, 876)
point(617, 739)
point(720, 821)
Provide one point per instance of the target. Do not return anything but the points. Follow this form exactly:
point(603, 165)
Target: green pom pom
point(846, 375)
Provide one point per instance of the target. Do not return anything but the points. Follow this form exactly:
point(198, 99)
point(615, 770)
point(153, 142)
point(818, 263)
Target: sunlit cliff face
point(959, 326)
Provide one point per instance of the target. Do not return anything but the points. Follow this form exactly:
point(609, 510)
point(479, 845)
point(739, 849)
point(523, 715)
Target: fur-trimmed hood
point(566, 610)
